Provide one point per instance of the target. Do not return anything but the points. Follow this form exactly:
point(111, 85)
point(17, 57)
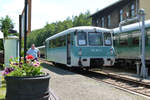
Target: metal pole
point(127, 21)
point(143, 70)
point(20, 37)
point(25, 30)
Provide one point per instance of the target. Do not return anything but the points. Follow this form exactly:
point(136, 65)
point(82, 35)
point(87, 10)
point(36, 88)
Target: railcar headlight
point(80, 52)
point(111, 51)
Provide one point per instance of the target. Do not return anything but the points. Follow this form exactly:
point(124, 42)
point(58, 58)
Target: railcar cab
point(95, 48)
point(94, 39)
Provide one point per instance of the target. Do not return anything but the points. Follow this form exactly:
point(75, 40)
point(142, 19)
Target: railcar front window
point(95, 39)
point(107, 39)
point(81, 39)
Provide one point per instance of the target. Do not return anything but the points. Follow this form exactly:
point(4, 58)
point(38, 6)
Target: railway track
point(126, 84)
point(120, 82)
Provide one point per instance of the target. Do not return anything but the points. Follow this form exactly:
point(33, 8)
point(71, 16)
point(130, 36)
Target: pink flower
point(3, 73)
point(35, 65)
point(11, 57)
point(7, 70)
point(38, 63)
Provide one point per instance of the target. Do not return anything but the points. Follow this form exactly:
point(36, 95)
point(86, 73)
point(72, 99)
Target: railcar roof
point(41, 47)
point(132, 27)
point(80, 28)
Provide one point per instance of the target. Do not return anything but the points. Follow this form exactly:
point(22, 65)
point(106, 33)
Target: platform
point(71, 86)
point(122, 73)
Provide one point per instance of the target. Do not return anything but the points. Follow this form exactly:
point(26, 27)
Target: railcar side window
point(52, 44)
point(148, 41)
point(81, 38)
point(95, 39)
point(63, 40)
point(135, 38)
point(135, 41)
point(58, 42)
point(123, 40)
point(107, 39)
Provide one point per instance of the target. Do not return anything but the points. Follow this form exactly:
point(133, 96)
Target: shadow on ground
point(57, 70)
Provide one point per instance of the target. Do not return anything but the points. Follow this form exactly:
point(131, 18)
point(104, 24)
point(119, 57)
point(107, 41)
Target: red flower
point(30, 57)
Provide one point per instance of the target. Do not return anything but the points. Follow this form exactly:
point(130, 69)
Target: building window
point(103, 21)
point(109, 21)
point(121, 15)
point(97, 22)
point(132, 10)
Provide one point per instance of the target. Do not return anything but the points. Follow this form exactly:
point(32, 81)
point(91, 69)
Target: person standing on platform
point(34, 52)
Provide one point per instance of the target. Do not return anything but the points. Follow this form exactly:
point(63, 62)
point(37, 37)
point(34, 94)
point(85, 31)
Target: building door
point(68, 50)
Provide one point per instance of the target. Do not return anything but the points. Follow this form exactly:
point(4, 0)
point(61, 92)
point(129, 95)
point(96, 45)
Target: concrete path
point(71, 86)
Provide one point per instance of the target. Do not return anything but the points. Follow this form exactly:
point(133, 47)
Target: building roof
point(1, 35)
point(111, 7)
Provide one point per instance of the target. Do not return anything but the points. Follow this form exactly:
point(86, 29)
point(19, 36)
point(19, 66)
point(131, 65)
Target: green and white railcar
point(127, 43)
point(42, 50)
point(83, 46)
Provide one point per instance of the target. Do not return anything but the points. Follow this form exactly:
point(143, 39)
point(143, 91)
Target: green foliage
point(82, 19)
point(2, 89)
point(5, 25)
point(39, 36)
point(23, 69)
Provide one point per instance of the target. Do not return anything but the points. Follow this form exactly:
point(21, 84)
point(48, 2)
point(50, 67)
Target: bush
point(28, 68)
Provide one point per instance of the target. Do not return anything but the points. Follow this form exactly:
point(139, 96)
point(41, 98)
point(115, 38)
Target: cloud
point(49, 10)
point(12, 8)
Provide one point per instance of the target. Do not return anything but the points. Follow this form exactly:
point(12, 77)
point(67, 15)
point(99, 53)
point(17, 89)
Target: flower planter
point(27, 88)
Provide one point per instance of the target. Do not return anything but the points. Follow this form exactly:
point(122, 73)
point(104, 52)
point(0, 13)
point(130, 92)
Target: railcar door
point(68, 49)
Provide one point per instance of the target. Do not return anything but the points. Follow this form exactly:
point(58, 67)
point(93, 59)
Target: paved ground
point(70, 86)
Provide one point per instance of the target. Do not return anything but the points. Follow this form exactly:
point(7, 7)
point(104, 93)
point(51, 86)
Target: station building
point(112, 15)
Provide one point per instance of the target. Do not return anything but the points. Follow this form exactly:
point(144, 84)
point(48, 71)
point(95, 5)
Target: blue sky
point(50, 10)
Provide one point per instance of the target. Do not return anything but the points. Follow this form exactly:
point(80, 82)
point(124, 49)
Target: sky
point(44, 11)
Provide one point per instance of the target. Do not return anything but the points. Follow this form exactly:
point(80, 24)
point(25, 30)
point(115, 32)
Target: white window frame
point(132, 10)
point(121, 15)
point(103, 22)
point(109, 20)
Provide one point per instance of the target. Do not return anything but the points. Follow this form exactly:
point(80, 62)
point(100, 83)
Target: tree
point(82, 20)
point(39, 36)
point(6, 24)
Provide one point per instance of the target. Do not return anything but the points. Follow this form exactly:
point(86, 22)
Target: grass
point(2, 90)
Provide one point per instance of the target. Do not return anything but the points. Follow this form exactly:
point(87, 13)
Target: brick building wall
point(145, 4)
point(129, 7)
point(114, 18)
